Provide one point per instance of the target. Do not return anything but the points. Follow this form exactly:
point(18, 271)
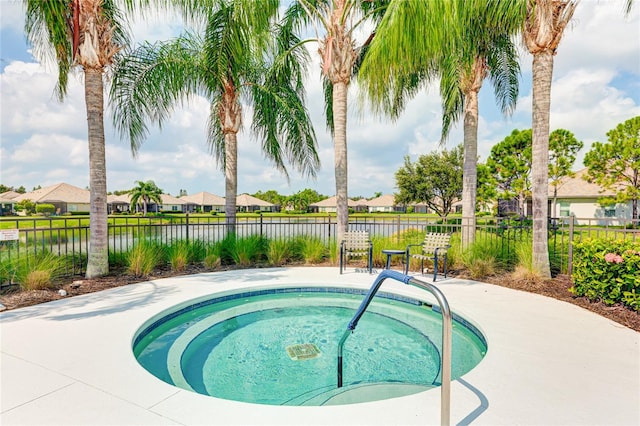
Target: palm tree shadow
point(111, 301)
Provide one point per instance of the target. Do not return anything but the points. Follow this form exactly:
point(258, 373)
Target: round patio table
point(392, 252)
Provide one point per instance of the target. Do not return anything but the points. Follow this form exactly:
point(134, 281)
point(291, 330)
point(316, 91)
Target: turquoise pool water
point(243, 347)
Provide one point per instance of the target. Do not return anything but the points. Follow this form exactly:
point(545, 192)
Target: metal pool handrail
point(445, 398)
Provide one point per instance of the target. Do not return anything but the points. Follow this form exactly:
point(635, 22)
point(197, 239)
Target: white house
point(384, 204)
point(248, 203)
point(329, 205)
point(171, 204)
point(578, 197)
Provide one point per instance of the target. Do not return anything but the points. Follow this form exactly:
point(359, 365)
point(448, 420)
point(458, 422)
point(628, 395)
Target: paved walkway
point(69, 362)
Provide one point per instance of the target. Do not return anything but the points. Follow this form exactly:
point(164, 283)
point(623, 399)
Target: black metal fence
point(69, 237)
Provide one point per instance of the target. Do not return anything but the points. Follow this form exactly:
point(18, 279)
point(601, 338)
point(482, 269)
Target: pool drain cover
point(303, 351)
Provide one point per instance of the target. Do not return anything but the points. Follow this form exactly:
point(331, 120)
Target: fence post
point(398, 229)
point(187, 225)
point(261, 223)
point(570, 248)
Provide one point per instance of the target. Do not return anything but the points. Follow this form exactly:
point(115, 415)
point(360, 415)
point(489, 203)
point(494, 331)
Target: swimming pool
point(278, 346)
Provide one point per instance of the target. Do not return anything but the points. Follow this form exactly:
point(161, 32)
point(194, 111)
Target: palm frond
point(504, 73)
point(48, 30)
point(149, 82)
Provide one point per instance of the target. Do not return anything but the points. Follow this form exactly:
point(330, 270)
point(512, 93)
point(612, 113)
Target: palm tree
point(543, 29)
point(338, 19)
point(228, 63)
point(84, 34)
point(462, 42)
point(147, 192)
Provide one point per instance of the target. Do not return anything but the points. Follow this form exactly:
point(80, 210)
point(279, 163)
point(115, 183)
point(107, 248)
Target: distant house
point(65, 198)
point(118, 203)
point(578, 197)
point(248, 203)
point(329, 205)
point(171, 204)
point(360, 206)
point(384, 204)
point(204, 202)
point(7, 201)
point(9, 195)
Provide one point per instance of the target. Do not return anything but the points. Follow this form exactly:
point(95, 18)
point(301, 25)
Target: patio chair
point(434, 245)
point(356, 244)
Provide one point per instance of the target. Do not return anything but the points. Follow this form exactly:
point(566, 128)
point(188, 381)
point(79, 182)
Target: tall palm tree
point(461, 41)
point(145, 192)
point(82, 34)
point(226, 64)
point(338, 19)
point(543, 29)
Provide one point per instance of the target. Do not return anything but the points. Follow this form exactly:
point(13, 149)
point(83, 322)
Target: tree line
point(436, 178)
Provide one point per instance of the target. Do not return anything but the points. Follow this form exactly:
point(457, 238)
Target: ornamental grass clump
point(144, 257)
point(480, 258)
point(37, 272)
point(182, 253)
point(525, 269)
point(250, 250)
point(212, 257)
point(313, 250)
point(279, 252)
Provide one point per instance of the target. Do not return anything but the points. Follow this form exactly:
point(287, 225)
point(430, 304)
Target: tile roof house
point(7, 202)
point(328, 205)
point(385, 203)
point(172, 204)
point(248, 203)
point(578, 197)
point(65, 197)
point(118, 203)
point(204, 202)
point(9, 195)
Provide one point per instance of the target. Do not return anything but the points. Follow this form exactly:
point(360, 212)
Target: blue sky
point(596, 85)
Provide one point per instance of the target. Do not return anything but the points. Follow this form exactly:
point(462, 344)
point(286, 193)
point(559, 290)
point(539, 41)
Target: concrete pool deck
point(70, 362)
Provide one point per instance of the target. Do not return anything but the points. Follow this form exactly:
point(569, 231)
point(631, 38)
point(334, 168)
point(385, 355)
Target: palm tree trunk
point(542, 73)
point(231, 179)
point(470, 168)
point(98, 262)
point(340, 150)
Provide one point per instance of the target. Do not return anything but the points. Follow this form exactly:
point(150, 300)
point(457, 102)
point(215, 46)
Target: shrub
point(607, 270)
point(46, 209)
point(28, 206)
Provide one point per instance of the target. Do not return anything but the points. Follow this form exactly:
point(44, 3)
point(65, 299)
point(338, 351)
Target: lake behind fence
point(69, 237)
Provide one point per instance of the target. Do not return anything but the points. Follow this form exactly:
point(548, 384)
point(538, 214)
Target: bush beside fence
point(608, 271)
